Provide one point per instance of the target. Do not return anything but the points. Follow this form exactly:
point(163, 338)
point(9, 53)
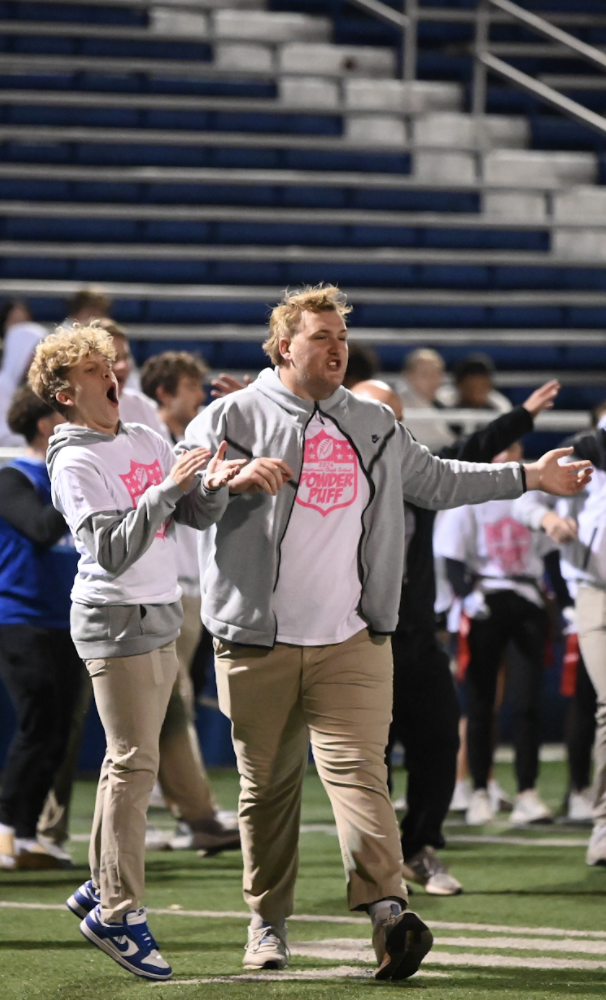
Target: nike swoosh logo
point(130, 949)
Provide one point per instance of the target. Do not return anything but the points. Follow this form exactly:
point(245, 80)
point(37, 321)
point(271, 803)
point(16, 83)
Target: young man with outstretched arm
point(120, 489)
point(300, 587)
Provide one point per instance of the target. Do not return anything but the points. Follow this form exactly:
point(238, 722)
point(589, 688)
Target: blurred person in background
point(87, 304)
point(473, 386)
point(20, 338)
point(584, 567)
point(495, 566)
point(38, 661)
point(425, 704)
point(422, 377)
point(174, 380)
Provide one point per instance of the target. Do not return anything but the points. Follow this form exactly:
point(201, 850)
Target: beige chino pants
point(591, 618)
point(340, 697)
point(182, 774)
point(132, 695)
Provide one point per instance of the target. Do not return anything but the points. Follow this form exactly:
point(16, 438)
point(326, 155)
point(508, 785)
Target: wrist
point(531, 476)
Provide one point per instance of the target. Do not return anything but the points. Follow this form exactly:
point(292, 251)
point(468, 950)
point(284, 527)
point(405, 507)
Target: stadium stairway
point(197, 161)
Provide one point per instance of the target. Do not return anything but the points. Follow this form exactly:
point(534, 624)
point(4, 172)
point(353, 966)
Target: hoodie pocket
point(89, 623)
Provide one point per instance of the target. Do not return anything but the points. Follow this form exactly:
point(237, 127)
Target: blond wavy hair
point(61, 351)
point(286, 317)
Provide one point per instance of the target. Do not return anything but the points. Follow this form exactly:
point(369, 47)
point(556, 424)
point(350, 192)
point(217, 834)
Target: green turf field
point(520, 899)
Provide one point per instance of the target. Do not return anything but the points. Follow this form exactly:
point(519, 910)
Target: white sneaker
point(499, 799)
point(428, 870)
point(400, 805)
point(8, 856)
point(596, 851)
point(39, 853)
point(461, 799)
point(156, 799)
point(480, 810)
point(530, 808)
point(266, 948)
point(156, 839)
point(580, 806)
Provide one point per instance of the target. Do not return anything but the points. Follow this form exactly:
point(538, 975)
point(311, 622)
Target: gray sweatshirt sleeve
point(438, 484)
point(532, 507)
point(201, 507)
point(117, 539)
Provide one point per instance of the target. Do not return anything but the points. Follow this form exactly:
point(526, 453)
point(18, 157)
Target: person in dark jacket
point(426, 708)
point(39, 665)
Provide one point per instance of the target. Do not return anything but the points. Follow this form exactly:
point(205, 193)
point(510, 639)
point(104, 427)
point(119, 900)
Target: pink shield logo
point(508, 543)
point(330, 474)
point(139, 479)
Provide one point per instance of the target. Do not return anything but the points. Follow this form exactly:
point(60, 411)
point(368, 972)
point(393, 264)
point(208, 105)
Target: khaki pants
point(132, 695)
point(341, 697)
point(182, 774)
point(591, 616)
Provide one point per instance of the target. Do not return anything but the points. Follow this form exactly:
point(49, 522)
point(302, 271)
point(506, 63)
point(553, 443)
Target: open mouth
point(112, 395)
point(335, 365)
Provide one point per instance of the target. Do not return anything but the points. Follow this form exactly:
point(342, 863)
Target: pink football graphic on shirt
point(508, 543)
point(329, 479)
point(138, 479)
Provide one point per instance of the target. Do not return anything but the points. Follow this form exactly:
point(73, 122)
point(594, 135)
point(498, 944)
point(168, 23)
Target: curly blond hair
point(286, 317)
point(60, 352)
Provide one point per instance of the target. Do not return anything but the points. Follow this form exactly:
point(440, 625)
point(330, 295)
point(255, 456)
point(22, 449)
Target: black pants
point(426, 721)
point(42, 673)
point(512, 619)
point(580, 730)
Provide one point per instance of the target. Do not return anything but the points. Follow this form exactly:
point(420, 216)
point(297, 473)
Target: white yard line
point(341, 972)
point(312, 918)
point(511, 962)
point(464, 838)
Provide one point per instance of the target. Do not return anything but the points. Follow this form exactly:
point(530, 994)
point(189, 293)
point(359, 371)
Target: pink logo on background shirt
point(508, 543)
point(329, 479)
point(139, 479)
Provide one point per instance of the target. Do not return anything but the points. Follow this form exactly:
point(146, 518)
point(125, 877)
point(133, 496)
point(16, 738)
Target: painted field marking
point(446, 925)
point(511, 962)
point(464, 838)
point(341, 972)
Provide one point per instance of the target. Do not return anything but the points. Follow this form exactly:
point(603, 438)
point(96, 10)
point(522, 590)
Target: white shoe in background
point(156, 839)
point(480, 810)
point(596, 851)
point(499, 799)
point(530, 808)
point(580, 806)
point(400, 805)
point(461, 799)
point(156, 799)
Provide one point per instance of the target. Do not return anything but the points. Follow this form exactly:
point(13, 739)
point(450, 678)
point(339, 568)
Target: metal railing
point(486, 61)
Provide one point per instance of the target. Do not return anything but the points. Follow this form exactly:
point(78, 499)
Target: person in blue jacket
point(39, 665)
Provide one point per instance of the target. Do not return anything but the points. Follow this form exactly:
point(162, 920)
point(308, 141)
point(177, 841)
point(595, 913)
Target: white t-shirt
point(495, 546)
point(112, 476)
point(188, 565)
point(136, 408)
point(319, 588)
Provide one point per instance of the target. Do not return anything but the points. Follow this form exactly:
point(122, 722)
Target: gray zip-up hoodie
point(116, 540)
point(240, 555)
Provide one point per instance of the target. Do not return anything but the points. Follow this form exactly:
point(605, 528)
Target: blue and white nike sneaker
point(83, 900)
point(130, 943)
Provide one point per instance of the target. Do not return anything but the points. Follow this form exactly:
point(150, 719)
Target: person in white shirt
point(418, 386)
point(495, 566)
point(120, 490)
point(173, 381)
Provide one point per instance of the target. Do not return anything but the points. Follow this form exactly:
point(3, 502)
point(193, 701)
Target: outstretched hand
point(219, 471)
point(542, 398)
point(562, 480)
point(268, 474)
point(560, 529)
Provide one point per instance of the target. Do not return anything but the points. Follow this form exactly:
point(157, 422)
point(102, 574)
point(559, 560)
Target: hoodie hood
point(73, 434)
point(270, 384)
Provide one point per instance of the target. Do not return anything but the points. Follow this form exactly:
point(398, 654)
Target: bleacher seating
point(197, 161)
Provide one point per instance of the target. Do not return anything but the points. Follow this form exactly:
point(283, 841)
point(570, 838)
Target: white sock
point(257, 923)
point(383, 909)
